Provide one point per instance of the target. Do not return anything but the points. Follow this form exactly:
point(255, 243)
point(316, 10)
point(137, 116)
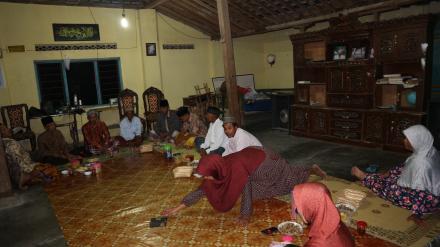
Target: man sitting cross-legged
point(130, 129)
point(52, 146)
point(96, 135)
point(167, 124)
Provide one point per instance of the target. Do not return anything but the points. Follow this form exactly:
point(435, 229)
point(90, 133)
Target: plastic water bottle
point(168, 152)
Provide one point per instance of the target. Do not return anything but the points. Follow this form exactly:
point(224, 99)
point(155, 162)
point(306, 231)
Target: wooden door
point(318, 122)
point(359, 79)
point(409, 43)
point(386, 45)
point(374, 127)
point(299, 119)
point(336, 80)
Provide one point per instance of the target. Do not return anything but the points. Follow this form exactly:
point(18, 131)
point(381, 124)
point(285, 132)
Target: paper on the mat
point(385, 220)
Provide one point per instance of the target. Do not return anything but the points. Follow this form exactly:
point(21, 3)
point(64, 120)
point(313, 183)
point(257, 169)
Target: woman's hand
point(173, 211)
point(242, 220)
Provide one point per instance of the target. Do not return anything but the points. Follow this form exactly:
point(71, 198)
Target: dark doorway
point(82, 82)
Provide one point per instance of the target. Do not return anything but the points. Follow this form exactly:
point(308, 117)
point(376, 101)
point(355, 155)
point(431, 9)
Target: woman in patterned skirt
point(415, 185)
point(253, 173)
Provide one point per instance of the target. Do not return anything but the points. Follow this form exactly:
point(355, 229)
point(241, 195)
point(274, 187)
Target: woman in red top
point(312, 202)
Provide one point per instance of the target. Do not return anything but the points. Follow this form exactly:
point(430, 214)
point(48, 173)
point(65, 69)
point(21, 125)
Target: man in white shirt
point(216, 135)
point(238, 138)
point(130, 130)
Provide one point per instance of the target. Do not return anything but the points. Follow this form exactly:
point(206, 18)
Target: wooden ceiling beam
point(237, 9)
point(212, 14)
point(132, 5)
point(194, 24)
point(381, 6)
point(236, 19)
point(156, 3)
point(184, 10)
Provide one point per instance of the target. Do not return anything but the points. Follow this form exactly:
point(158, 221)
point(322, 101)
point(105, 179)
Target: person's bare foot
point(355, 171)
point(318, 171)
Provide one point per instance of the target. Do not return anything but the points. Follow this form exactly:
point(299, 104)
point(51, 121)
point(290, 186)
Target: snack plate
point(291, 228)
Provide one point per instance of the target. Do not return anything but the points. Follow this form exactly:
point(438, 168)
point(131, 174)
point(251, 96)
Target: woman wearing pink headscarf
point(313, 203)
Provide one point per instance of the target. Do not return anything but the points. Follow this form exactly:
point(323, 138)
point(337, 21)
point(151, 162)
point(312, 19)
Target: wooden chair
point(15, 117)
point(204, 99)
point(129, 99)
point(152, 97)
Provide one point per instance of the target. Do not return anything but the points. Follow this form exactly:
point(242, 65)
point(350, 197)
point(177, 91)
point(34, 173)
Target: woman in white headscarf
point(415, 185)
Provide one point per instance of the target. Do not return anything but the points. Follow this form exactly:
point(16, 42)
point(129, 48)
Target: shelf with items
point(313, 94)
point(355, 80)
point(402, 94)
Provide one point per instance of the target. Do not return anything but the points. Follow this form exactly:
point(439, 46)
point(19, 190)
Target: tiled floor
point(114, 209)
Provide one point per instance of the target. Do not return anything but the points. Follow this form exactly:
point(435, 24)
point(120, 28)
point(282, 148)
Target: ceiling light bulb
point(124, 21)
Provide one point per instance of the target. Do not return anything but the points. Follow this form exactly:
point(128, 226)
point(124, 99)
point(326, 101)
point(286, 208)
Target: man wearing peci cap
point(52, 146)
point(167, 124)
point(216, 135)
point(96, 135)
point(238, 138)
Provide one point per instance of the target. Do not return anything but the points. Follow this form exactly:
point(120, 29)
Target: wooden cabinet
point(336, 80)
point(347, 124)
point(350, 101)
point(350, 79)
point(318, 120)
point(302, 95)
point(360, 78)
point(386, 45)
point(298, 48)
point(409, 43)
point(356, 109)
point(397, 123)
point(402, 42)
point(299, 119)
point(306, 121)
point(374, 127)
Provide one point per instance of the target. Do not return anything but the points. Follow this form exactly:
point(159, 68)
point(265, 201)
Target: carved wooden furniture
point(128, 99)
point(151, 97)
point(16, 117)
point(339, 97)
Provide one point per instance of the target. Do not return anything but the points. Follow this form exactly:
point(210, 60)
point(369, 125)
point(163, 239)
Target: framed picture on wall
point(75, 32)
point(151, 49)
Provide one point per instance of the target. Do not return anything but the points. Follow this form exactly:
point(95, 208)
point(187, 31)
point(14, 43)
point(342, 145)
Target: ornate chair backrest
point(127, 99)
point(14, 116)
point(152, 96)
